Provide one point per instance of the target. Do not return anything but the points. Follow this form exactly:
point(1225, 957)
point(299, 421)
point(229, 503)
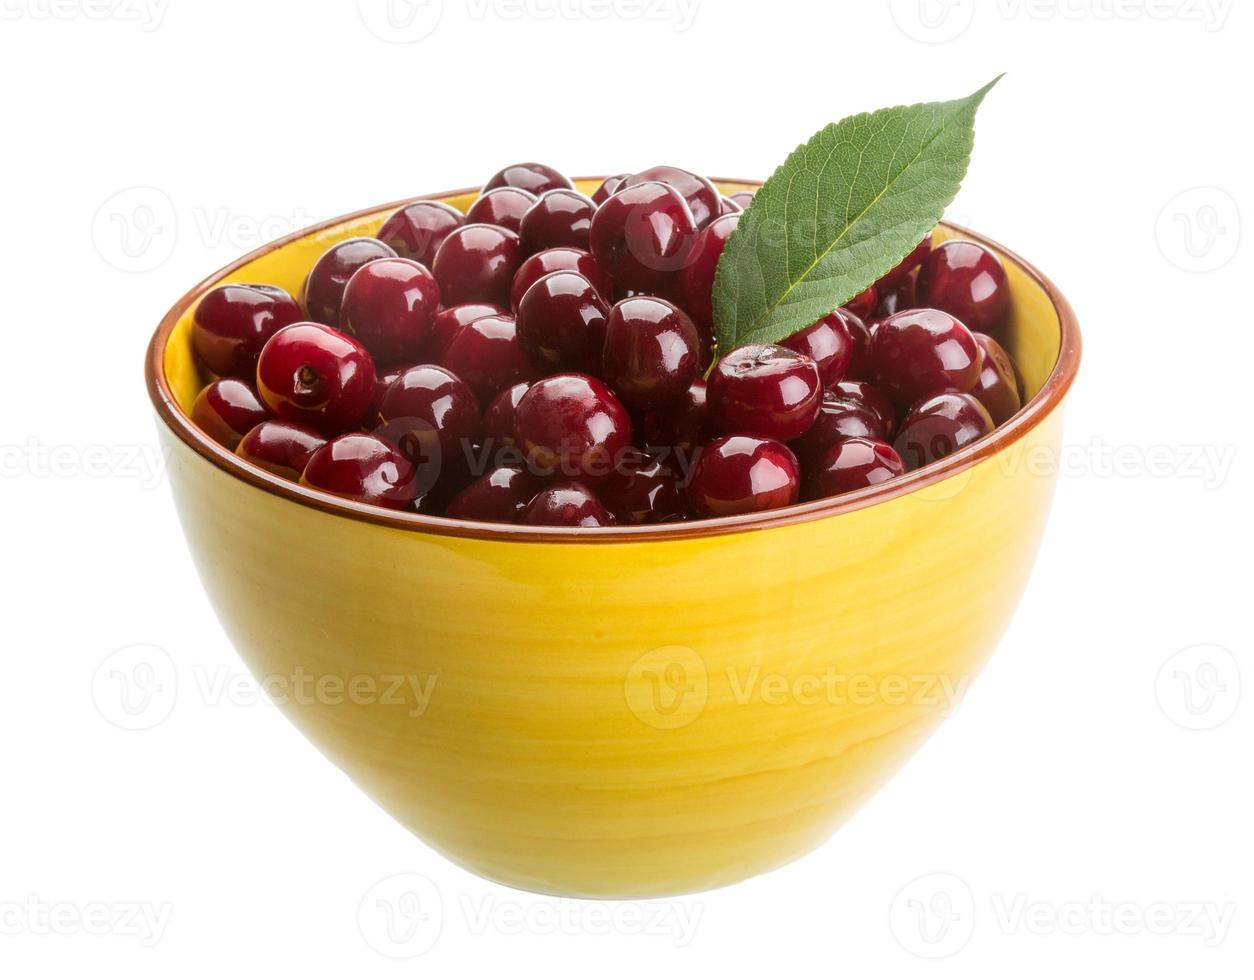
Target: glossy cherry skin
point(609, 187)
point(940, 425)
point(569, 504)
point(572, 424)
point(741, 474)
point(432, 416)
point(839, 419)
point(417, 230)
point(561, 323)
point(895, 299)
point(487, 356)
point(362, 467)
point(968, 281)
point(901, 271)
point(860, 336)
point(500, 496)
point(852, 464)
point(283, 448)
point(563, 259)
point(683, 426)
point(226, 409)
point(232, 323)
point(315, 375)
point(728, 206)
point(652, 353)
point(998, 386)
point(696, 280)
point(390, 305)
point(642, 490)
point(448, 322)
point(476, 264)
point(743, 198)
point(534, 177)
point(498, 420)
point(560, 218)
point(863, 305)
point(502, 206)
point(872, 399)
point(325, 284)
point(828, 342)
point(765, 390)
point(920, 352)
point(642, 235)
point(704, 200)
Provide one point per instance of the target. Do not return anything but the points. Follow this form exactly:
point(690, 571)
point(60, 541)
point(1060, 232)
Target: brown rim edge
point(1031, 415)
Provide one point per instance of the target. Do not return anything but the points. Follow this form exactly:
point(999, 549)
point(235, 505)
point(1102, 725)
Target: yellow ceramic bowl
point(626, 711)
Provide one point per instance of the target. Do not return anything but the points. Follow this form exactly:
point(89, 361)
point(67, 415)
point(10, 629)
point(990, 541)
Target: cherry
point(324, 286)
point(313, 374)
point(500, 496)
point(898, 297)
point(967, 281)
point(743, 198)
point(476, 264)
point(839, 418)
point(570, 504)
point(390, 305)
point(940, 425)
point(828, 342)
point(696, 280)
point(608, 188)
point(485, 353)
point(533, 177)
point(652, 352)
point(382, 382)
point(703, 198)
point(232, 323)
point(860, 336)
point(740, 474)
point(920, 352)
point(561, 259)
point(561, 322)
point(863, 305)
point(728, 206)
point(417, 230)
point(872, 399)
point(448, 322)
point(560, 218)
point(498, 420)
point(572, 423)
point(765, 390)
point(503, 207)
point(432, 415)
point(362, 467)
point(226, 409)
point(681, 427)
point(642, 490)
point(283, 448)
point(998, 386)
point(642, 235)
point(901, 271)
point(851, 465)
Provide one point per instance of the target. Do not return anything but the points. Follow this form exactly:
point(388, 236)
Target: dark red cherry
point(652, 352)
point(226, 409)
point(362, 467)
point(476, 264)
point(500, 496)
point(642, 235)
point(740, 474)
point(503, 206)
point(642, 490)
point(572, 424)
point(998, 385)
point(417, 230)
point(682, 427)
point(232, 323)
point(696, 280)
point(898, 297)
point(448, 322)
point(828, 342)
point(967, 281)
point(901, 271)
point(485, 353)
point(560, 218)
point(534, 177)
point(941, 425)
point(570, 504)
point(609, 187)
point(920, 352)
point(283, 448)
point(324, 286)
point(728, 206)
point(315, 375)
point(863, 305)
point(390, 305)
point(432, 416)
point(743, 198)
point(852, 464)
point(498, 420)
point(382, 382)
point(703, 198)
point(563, 259)
point(765, 390)
point(561, 323)
point(839, 419)
point(871, 398)
point(860, 336)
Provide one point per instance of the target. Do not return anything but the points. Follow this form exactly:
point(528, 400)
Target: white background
point(1085, 811)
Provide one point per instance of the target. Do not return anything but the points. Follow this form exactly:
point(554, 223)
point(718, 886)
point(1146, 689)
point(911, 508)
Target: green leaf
point(840, 213)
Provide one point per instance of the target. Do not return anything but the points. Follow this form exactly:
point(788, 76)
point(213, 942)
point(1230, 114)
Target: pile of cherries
point(549, 358)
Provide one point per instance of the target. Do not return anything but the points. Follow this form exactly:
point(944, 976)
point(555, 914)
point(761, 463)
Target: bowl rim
point(1038, 408)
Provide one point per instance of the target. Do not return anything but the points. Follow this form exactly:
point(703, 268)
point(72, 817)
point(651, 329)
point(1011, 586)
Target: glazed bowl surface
point(620, 712)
